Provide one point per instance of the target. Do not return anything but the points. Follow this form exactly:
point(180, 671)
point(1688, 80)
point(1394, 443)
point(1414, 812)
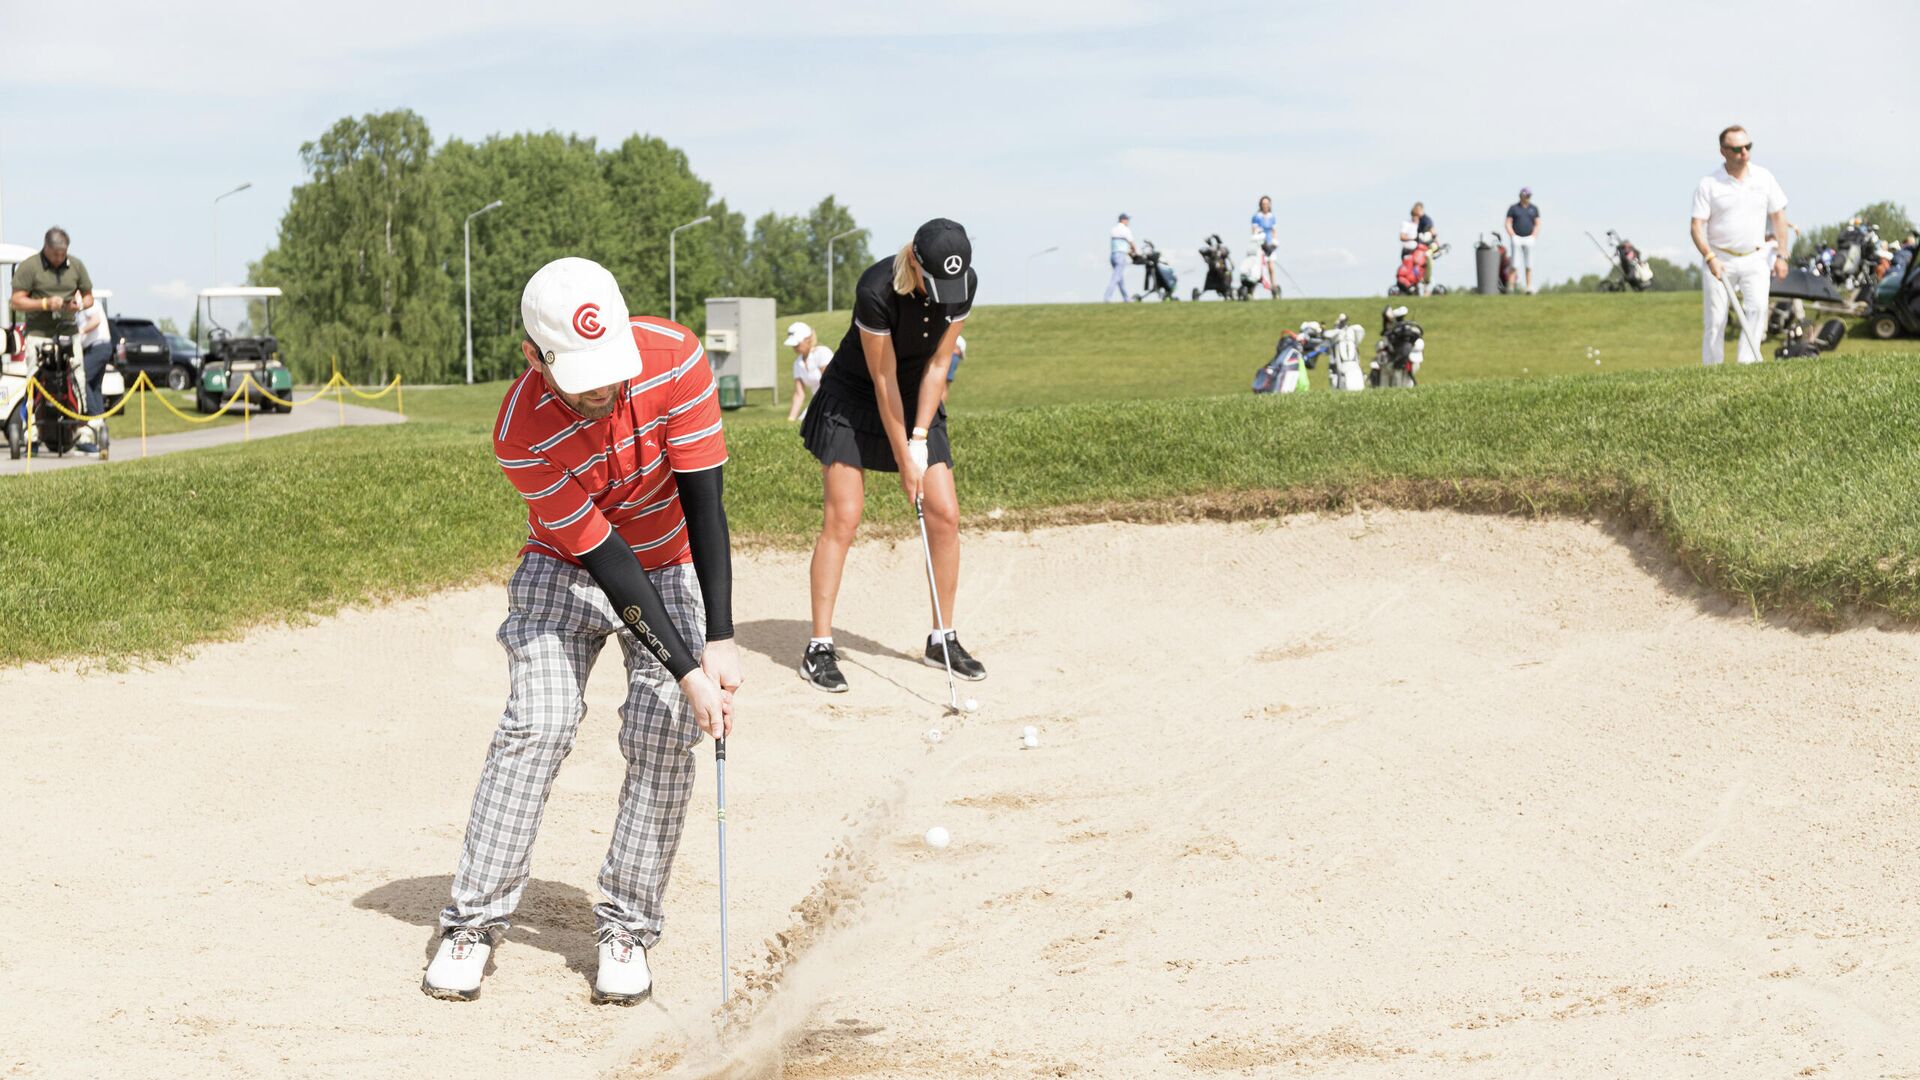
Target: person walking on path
point(1733, 207)
point(907, 314)
point(1523, 228)
point(1121, 251)
point(612, 436)
point(810, 359)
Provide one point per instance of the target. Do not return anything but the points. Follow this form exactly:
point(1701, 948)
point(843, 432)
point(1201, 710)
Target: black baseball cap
point(945, 254)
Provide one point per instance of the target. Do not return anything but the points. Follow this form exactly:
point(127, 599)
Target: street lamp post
point(673, 281)
point(466, 251)
point(830, 241)
point(1030, 259)
point(216, 228)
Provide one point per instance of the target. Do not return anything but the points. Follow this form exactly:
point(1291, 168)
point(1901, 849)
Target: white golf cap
point(573, 311)
point(798, 333)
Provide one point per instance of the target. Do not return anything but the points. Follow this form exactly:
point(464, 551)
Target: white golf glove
point(917, 453)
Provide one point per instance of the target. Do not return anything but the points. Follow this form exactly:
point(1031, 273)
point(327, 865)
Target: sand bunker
point(1386, 795)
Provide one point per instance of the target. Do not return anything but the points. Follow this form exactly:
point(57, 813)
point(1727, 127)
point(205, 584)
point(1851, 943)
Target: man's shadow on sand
point(552, 916)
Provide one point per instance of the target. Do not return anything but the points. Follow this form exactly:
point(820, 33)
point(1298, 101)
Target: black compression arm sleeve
point(700, 499)
point(619, 575)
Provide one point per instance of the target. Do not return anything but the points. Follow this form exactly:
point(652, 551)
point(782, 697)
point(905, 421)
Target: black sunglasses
point(1741, 149)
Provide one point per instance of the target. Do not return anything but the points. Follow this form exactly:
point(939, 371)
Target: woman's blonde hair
point(903, 277)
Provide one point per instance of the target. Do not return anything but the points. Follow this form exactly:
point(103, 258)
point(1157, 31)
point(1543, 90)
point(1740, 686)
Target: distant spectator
point(1416, 230)
point(810, 360)
point(959, 354)
point(1263, 224)
point(96, 348)
point(1121, 251)
point(1523, 228)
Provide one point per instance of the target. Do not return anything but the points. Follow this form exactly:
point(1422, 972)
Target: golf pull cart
point(230, 357)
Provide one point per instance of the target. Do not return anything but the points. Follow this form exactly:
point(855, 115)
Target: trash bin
point(730, 395)
point(1486, 266)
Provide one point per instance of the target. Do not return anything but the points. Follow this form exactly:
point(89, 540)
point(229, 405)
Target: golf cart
point(1896, 304)
point(229, 357)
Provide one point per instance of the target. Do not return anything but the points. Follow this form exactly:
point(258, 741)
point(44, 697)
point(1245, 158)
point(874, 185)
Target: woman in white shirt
point(809, 363)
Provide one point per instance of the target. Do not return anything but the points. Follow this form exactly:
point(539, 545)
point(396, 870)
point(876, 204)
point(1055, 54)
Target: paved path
point(126, 441)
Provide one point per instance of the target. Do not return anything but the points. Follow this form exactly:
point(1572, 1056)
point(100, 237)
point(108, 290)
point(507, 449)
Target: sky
point(1032, 122)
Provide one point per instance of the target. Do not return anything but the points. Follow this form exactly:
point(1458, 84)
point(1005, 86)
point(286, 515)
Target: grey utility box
point(740, 341)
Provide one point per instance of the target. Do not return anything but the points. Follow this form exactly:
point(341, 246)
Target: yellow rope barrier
point(144, 386)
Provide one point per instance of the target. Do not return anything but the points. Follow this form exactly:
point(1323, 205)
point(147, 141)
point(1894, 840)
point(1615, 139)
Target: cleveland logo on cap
point(586, 321)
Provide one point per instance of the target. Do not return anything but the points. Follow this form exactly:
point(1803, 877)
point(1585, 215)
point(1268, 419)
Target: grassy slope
point(1794, 484)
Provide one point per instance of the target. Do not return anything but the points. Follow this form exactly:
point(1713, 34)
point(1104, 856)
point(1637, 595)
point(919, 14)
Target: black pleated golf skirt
point(837, 432)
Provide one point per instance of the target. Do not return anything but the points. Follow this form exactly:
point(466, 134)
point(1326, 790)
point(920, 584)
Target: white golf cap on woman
point(798, 333)
point(573, 311)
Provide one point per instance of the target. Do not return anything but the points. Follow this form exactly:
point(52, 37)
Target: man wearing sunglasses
point(1732, 208)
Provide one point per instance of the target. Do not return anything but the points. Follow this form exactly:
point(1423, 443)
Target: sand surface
point(1386, 795)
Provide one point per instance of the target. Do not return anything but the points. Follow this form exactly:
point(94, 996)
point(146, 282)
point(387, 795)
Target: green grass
point(1794, 485)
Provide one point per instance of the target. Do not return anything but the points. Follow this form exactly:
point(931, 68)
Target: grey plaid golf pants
point(557, 622)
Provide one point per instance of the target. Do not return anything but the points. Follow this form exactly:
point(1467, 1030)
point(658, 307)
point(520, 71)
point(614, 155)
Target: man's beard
point(600, 412)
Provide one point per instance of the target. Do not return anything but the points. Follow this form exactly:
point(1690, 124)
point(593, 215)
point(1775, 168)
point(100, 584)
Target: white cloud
point(175, 289)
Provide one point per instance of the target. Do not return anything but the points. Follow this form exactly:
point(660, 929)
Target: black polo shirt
point(40, 279)
point(916, 325)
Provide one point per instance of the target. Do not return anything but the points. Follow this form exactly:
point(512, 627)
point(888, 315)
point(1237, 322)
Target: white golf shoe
point(454, 974)
point(624, 978)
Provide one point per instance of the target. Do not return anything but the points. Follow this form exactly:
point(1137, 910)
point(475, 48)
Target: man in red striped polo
point(612, 436)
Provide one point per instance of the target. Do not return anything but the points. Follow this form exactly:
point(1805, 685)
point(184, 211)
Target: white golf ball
point(1030, 740)
point(972, 704)
point(1029, 732)
point(934, 735)
point(937, 837)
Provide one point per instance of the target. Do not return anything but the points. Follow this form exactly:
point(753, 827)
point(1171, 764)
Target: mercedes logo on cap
point(953, 265)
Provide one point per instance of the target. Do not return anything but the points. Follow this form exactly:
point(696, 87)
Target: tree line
point(369, 253)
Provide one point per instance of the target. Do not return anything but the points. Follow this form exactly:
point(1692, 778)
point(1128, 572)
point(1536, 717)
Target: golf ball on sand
point(1030, 737)
point(937, 837)
point(971, 704)
point(934, 735)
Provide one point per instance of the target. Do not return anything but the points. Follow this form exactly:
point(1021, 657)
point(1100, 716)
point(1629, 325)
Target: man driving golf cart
point(240, 365)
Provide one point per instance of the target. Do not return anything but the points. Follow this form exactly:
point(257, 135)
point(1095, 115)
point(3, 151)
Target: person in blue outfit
point(1263, 224)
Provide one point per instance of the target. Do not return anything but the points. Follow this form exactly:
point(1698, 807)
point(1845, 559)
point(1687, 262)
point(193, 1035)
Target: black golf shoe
point(821, 666)
point(964, 666)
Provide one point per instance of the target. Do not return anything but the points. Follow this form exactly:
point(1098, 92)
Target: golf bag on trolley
point(1399, 352)
point(1160, 278)
point(59, 373)
point(1219, 264)
point(1283, 374)
point(1854, 266)
point(1632, 266)
point(1415, 267)
point(1259, 270)
point(1340, 344)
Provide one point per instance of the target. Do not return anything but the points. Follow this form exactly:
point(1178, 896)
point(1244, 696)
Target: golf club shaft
point(1739, 316)
point(720, 797)
point(933, 587)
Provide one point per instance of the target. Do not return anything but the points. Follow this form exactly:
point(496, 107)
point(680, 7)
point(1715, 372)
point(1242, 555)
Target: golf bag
point(1800, 344)
point(1160, 278)
point(1854, 264)
point(1414, 267)
point(1219, 263)
point(1341, 346)
point(1282, 374)
point(1635, 274)
point(1399, 352)
point(1258, 269)
point(60, 379)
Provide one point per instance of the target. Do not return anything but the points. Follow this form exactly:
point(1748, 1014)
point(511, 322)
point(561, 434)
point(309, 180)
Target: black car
point(148, 350)
point(185, 351)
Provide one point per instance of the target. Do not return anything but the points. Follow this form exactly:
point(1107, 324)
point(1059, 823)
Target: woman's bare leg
point(845, 497)
point(941, 504)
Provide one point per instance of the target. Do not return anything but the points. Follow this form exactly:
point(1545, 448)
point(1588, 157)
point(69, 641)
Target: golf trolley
point(1219, 264)
point(1416, 268)
point(1340, 344)
point(1398, 354)
point(231, 358)
point(1624, 259)
point(1160, 278)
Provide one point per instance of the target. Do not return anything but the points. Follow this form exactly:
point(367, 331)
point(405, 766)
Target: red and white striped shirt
point(582, 478)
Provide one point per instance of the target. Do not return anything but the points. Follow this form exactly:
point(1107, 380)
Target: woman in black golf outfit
point(879, 408)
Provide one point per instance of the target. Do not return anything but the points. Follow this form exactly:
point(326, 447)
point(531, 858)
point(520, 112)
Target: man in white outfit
point(1120, 252)
point(1731, 210)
